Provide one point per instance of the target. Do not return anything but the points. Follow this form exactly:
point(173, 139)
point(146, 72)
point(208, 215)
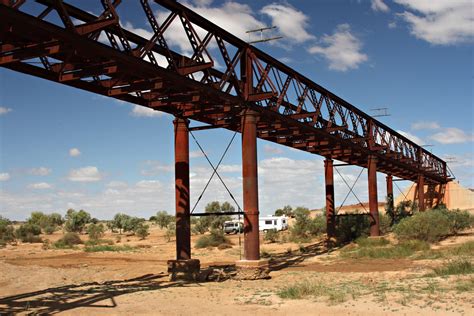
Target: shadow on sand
point(287, 259)
point(93, 294)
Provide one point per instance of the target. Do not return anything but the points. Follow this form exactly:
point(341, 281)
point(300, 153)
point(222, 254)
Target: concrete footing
point(187, 270)
point(252, 269)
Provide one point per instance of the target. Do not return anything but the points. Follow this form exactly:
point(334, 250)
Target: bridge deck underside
point(42, 49)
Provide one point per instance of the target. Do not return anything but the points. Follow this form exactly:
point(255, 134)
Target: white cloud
point(379, 5)
point(234, 17)
point(86, 174)
point(141, 111)
point(40, 186)
point(411, 137)
point(4, 110)
point(392, 25)
point(153, 168)
point(5, 176)
point(74, 152)
point(342, 49)
point(196, 154)
point(291, 22)
point(424, 125)
point(440, 22)
point(269, 149)
point(41, 171)
point(117, 184)
point(452, 135)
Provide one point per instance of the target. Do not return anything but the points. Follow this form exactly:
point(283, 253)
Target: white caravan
point(273, 222)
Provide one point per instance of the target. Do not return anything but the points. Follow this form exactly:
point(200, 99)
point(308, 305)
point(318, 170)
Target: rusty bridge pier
point(421, 193)
point(251, 267)
point(373, 201)
point(330, 202)
point(183, 266)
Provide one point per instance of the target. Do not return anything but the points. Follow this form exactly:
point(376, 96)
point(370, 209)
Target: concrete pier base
point(252, 269)
point(184, 269)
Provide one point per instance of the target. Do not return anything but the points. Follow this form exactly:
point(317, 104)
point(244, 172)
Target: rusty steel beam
point(250, 185)
point(373, 201)
point(181, 167)
point(330, 202)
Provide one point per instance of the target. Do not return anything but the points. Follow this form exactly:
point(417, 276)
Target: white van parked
point(273, 222)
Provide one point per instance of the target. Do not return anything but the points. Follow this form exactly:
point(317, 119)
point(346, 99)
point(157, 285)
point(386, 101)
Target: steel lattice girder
point(293, 110)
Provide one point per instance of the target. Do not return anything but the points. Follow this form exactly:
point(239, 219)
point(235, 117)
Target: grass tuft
point(100, 248)
point(455, 267)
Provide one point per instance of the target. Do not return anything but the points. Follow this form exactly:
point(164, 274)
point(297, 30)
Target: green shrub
point(351, 227)
point(95, 242)
point(28, 233)
point(76, 220)
point(163, 219)
point(214, 239)
point(385, 224)
point(7, 233)
point(428, 226)
point(170, 231)
point(95, 231)
point(199, 225)
point(69, 240)
point(271, 235)
point(304, 227)
point(459, 220)
point(142, 231)
point(48, 223)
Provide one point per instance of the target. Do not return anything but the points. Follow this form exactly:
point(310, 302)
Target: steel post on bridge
point(183, 266)
point(373, 202)
point(421, 193)
point(390, 201)
point(330, 209)
point(251, 267)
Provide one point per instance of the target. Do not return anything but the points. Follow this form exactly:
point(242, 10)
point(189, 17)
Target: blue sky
point(63, 148)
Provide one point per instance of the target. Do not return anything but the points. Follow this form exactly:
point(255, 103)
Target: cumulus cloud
point(4, 110)
point(5, 176)
point(379, 5)
point(40, 186)
point(41, 171)
point(440, 22)
point(421, 125)
point(411, 137)
point(74, 152)
point(291, 22)
point(86, 174)
point(342, 49)
point(452, 135)
point(141, 111)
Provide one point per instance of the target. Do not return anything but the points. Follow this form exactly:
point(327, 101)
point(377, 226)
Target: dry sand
point(75, 282)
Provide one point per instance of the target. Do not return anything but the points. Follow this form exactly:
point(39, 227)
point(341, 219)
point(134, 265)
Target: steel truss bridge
point(223, 82)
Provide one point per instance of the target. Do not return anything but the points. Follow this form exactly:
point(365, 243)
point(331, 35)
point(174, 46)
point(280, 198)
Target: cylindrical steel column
point(181, 169)
point(250, 185)
point(421, 193)
point(390, 201)
point(330, 210)
point(373, 202)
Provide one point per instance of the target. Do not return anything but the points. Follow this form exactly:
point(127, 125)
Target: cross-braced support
point(330, 210)
point(373, 202)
